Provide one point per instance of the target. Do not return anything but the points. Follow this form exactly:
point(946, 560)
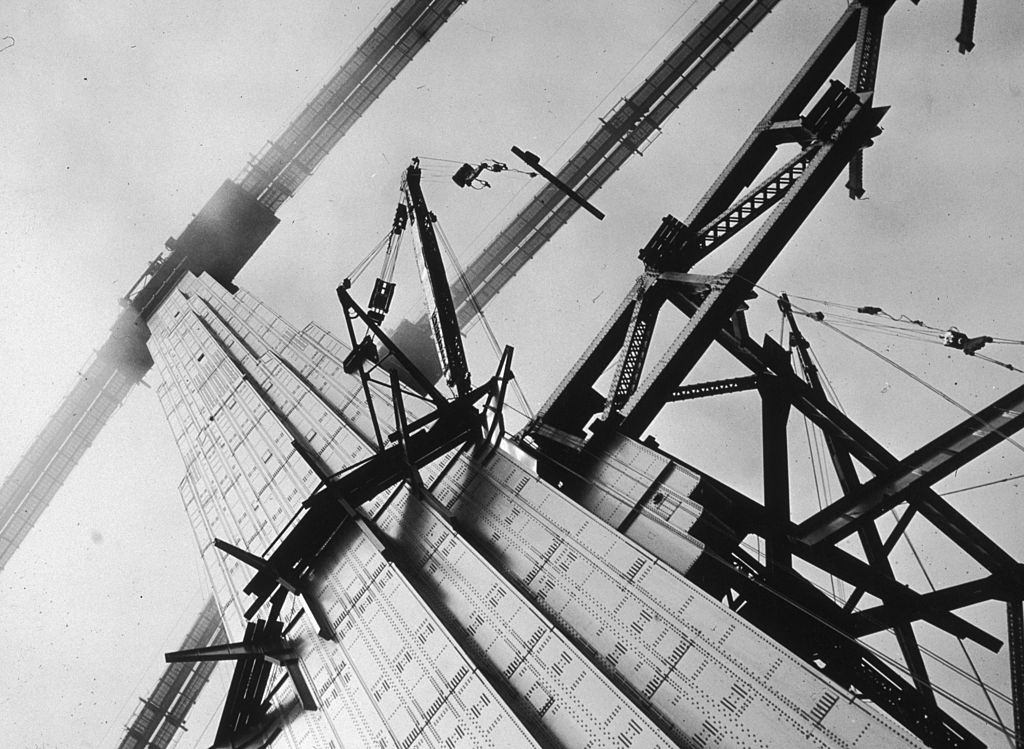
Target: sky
point(121, 118)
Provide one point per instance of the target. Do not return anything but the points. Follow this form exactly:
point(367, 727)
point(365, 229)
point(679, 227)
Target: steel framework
point(828, 126)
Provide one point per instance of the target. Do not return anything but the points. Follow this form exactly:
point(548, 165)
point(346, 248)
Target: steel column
point(775, 462)
point(862, 78)
point(863, 447)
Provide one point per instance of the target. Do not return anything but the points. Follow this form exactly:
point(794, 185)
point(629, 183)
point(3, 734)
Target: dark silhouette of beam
point(927, 465)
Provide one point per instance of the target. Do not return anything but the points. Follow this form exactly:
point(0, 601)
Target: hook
point(6, 46)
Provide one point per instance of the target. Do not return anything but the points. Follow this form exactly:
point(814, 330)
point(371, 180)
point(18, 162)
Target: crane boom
point(626, 131)
point(444, 324)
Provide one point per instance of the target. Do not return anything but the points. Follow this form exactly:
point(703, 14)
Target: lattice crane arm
point(444, 323)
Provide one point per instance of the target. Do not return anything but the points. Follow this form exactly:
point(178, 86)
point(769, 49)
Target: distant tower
point(220, 240)
point(161, 715)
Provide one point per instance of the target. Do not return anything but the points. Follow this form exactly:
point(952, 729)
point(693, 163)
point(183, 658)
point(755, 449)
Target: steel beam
point(878, 618)
point(862, 78)
point(924, 467)
point(714, 387)
point(965, 39)
point(634, 353)
point(719, 306)
point(232, 651)
point(862, 446)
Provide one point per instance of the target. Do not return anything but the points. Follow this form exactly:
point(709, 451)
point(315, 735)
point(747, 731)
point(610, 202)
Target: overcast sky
point(120, 119)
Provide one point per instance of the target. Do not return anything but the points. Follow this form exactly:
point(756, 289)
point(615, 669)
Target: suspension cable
point(987, 483)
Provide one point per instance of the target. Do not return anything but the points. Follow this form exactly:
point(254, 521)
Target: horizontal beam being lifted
point(931, 463)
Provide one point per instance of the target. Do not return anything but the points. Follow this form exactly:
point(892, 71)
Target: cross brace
point(862, 446)
point(924, 467)
point(714, 387)
point(877, 618)
point(720, 305)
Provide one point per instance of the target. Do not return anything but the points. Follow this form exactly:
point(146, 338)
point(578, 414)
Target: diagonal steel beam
point(862, 446)
point(634, 353)
point(870, 540)
point(890, 614)
point(719, 306)
point(564, 406)
point(924, 467)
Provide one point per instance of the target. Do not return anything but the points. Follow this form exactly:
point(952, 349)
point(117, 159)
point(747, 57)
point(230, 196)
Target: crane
point(627, 130)
point(443, 321)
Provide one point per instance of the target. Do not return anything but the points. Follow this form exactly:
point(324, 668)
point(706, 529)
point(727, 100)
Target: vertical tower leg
point(774, 416)
point(1015, 634)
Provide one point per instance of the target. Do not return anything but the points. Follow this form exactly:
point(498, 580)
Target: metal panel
point(640, 619)
point(244, 490)
point(535, 582)
point(557, 687)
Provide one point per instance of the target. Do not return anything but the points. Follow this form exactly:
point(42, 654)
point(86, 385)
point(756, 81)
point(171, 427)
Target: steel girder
point(877, 618)
point(862, 78)
point(793, 189)
point(931, 463)
point(863, 447)
point(720, 305)
point(1015, 631)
